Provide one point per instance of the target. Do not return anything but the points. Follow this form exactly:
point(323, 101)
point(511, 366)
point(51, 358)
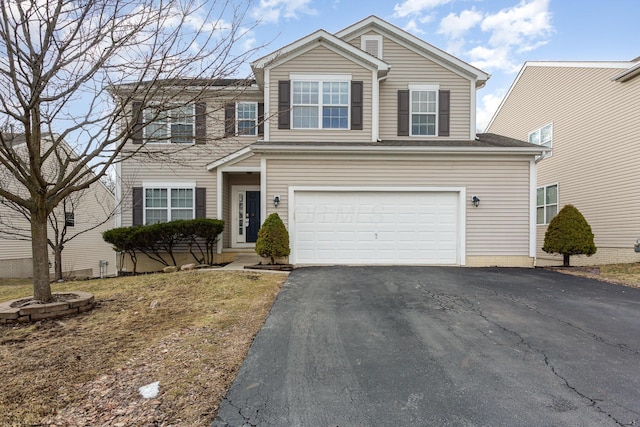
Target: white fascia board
point(233, 157)
point(344, 149)
point(282, 55)
point(405, 38)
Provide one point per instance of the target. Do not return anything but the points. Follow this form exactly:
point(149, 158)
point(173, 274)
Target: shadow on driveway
point(439, 346)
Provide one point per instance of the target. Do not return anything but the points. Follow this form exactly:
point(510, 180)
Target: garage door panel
point(375, 227)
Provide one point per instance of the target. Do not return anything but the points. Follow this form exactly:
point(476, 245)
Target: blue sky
point(497, 36)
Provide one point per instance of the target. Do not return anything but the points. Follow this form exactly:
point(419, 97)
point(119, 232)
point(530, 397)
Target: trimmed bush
point(159, 241)
point(568, 234)
point(273, 239)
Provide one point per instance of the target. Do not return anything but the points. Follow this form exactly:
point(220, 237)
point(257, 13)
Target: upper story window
point(320, 102)
point(423, 110)
point(546, 204)
point(69, 219)
point(247, 118)
point(176, 125)
point(543, 136)
point(168, 204)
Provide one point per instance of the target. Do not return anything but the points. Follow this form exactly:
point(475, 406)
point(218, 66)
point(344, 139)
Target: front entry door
point(253, 216)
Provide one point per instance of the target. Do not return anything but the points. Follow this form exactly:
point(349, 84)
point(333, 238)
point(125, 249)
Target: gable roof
point(631, 69)
point(320, 37)
point(409, 40)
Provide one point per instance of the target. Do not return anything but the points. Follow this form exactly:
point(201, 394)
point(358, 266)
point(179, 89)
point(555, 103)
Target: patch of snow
point(150, 391)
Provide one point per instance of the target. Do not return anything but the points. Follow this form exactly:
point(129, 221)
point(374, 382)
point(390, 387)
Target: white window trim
point(378, 38)
point(320, 79)
point(255, 127)
point(168, 124)
point(539, 132)
point(544, 205)
point(417, 87)
point(167, 186)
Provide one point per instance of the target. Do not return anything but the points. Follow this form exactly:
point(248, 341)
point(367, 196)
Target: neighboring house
point(589, 113)
point(85, 255)
point(367, 151)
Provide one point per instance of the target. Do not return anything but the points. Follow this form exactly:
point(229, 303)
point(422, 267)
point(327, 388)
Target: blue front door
point(253, 216)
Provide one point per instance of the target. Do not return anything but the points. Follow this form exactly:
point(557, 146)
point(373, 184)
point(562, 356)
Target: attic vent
point(372, 45)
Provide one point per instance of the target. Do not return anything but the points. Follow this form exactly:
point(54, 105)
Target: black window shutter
point(201, 122)
point(444, 98)
point(201, 202)
point(403, 112)
point(136, 115)
point(356, 105)
point(230, 119)
point(138, 206)
point(260, 118)
point(284, 107)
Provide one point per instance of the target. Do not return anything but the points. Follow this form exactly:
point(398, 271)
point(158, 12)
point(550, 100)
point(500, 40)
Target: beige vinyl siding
point(188, 165)
point(500, 226)
point(320, 60)
point(82, 253)
point(595, 146)
point(407, 67)
point(175, 162)
point(250, 162)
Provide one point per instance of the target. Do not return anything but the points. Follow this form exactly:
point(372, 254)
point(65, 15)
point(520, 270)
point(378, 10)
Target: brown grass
point(619, 274)
point(188, 330)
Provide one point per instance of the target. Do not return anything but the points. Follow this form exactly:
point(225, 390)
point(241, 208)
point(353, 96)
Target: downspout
point(376, 135)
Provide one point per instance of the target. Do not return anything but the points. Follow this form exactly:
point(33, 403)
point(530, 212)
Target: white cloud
point(511, 32)
point(272, 10)
point(413, 27)
point(455, 26)
point(519, 25)
point(416, 7)
point(487, 108)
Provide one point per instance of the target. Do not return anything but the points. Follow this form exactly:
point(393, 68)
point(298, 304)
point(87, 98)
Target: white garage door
point(375, 227)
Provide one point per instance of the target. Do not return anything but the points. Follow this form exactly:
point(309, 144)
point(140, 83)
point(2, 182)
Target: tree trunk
point(40, 251)
point(566, 260)
point(58, 262)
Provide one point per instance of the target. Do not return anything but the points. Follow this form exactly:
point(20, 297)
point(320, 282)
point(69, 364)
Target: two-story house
point(363, 142)
point(588, 113)
point(79, 221)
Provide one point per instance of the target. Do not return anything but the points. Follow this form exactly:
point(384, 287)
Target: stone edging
point(84, 302)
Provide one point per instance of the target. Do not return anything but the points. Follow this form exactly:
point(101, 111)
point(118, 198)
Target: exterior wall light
point(476, 201)
point(276, 201)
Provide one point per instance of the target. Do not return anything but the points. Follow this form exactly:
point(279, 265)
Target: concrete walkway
point(243, 259)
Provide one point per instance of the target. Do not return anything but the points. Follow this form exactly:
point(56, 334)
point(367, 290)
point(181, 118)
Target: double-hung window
point(176, 125)
point(423, 110)
point(168, 204)
point(320, 102)
point(247, 118)
point(546, 204)
point(543, 136)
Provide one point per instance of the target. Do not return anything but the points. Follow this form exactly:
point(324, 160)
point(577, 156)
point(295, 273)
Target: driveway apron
point(439, 346)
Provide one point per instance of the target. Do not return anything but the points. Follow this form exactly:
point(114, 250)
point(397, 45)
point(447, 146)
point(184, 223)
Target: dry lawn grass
point(190, 331)
point(619, 274)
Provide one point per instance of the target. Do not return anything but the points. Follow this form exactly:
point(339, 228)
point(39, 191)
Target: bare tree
point(58, 61)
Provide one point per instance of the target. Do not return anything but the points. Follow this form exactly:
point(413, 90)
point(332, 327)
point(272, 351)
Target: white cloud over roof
point(272, 10)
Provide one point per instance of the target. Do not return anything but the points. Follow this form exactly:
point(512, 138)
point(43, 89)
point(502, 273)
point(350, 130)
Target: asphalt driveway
point(432, 346)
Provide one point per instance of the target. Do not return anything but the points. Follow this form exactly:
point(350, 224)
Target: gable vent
point(372, 45)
